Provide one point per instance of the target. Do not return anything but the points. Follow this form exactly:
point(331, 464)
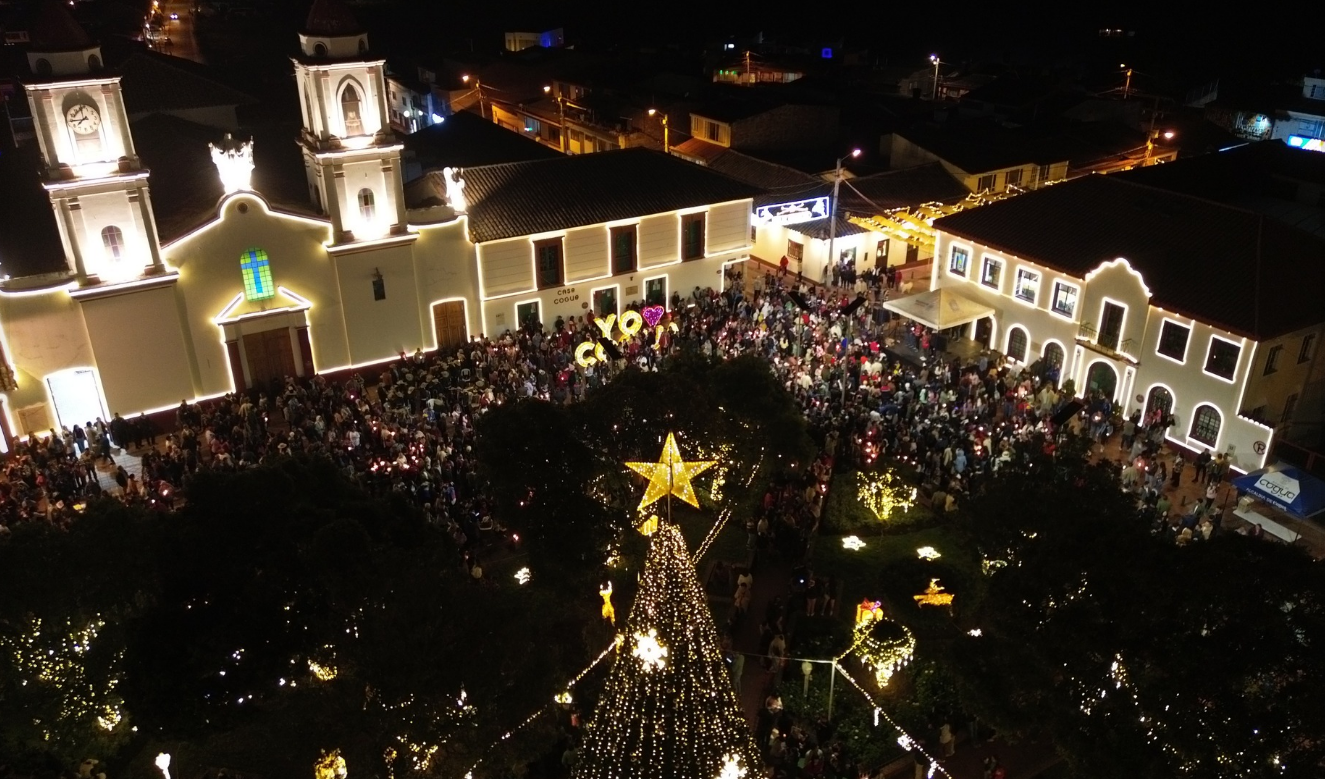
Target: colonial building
point(1156, 298)
point(256, 286)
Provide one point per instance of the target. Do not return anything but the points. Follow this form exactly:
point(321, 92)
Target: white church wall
point(210, 278)
point(141, 354)
point(44, 334)
point(447, 270)
point(380, 329)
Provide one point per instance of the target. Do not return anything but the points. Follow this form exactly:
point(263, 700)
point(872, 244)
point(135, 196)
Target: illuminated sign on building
point(793, 213)
point(1303, 142)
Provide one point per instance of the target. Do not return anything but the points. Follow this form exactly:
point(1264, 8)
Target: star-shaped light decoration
point(731, 768)
point(651, 654)
point(522, 576)
point(670, 475)
point(928, 553)
point(853, 543)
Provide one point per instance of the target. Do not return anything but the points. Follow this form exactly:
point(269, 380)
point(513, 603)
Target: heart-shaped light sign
point(653, 315)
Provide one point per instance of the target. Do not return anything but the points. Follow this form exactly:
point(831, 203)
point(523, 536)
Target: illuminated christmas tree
point(669, 710)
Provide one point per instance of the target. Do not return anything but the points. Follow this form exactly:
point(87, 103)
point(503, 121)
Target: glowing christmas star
point(853, 543)
point(522, 576)
point(670, 475)
point(651, 654)
point(731, 768)
point(928, 553)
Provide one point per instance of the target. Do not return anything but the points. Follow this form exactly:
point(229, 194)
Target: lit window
point(1205, 425)
point(1222, 359)
point(1065, 299)
point(1017, 341)
point(1272, 359)
point(367, 204)
point(257, 275)
point(1028, 285)
point(986, 183)
point(992, 273)
point(1014, 178)
point(958, 262)
point(692, 236)
point(349, 108)
point(1173, 339)
point(113, 241)
point(547, 255)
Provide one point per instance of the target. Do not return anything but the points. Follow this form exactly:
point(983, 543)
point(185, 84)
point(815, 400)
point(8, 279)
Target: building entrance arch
point(1102, 378)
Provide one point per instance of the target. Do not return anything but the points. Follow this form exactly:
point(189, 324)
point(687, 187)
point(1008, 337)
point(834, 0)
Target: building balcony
point(1107, 344)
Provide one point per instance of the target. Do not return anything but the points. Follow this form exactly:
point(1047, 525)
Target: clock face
point(83, 119)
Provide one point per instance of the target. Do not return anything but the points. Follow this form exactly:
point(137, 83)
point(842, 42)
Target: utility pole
point(748, 79)
point(1127, 85)
point(935, 59)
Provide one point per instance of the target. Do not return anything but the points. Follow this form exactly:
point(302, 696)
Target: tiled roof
point(1221, 265)
point(818, 228)
point(157, 82)
point(53, 29)
point(525, 198)
point(331, 17)
point(778, 182)
point(466, 140)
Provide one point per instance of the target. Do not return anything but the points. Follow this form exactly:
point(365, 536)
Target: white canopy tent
point(940, 308)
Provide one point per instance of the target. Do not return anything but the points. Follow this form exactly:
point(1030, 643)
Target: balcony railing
point(1104, 343)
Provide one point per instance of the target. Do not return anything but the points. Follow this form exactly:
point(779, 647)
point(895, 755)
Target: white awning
point(940, 308)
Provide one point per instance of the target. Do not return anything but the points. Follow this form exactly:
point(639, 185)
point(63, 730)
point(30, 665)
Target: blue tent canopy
point(1286, 488)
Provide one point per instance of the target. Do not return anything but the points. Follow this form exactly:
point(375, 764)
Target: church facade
point(254, 292)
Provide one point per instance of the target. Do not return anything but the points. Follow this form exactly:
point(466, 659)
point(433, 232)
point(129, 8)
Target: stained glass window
point(257, 275)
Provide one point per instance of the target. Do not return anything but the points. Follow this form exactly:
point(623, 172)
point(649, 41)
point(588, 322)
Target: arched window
point(256, 268)
point(363, 46)
point(43, 66)
point(1205, 424)
point(319, 50)
point(349, 108)
point(93, 63)
point(1017, 341)
point(1053, 355)
point(1159, 403)
point(367, 204)
point(113, 241)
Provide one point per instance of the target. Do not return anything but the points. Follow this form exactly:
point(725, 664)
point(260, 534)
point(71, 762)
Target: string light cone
point(672, 716)
point(670, 475)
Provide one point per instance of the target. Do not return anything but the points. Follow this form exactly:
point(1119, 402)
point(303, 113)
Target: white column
point(320, 86)
point(46, 115)
point(334, 185)
point(391, 172)
point(71, 218)
point(379, 84)
point(115, 101)
point(148, 228)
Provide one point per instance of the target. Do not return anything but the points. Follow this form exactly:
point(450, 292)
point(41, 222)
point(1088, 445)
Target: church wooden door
point(270, 356)
point(449, 324)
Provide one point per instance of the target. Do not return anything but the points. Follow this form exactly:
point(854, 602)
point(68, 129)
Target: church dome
point(53, 29)
point(331, 18)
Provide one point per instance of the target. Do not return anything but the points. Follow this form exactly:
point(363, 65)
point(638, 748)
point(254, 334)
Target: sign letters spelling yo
point(627, 326)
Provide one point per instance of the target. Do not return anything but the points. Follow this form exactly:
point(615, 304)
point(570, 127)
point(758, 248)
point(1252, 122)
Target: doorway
point(449, 325)
point(1102, 378)
point(270, 357)
point(984, 331)
point(76, 395)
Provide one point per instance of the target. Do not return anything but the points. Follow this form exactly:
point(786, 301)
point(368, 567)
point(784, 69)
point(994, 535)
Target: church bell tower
point(95, 181)
point(351, 157)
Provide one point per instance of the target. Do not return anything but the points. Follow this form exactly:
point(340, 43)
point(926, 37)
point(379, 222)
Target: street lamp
point(934, 58)
point(478, 89)
point(666, 145)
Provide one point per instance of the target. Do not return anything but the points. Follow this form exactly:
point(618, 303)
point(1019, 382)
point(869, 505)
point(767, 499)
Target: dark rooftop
point(53, 29)
point(1224, 266)
point(332, 18)
point(157, 82)
point(466, 140)
point(29, 239)
point(901, 189)
point(525, 198)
